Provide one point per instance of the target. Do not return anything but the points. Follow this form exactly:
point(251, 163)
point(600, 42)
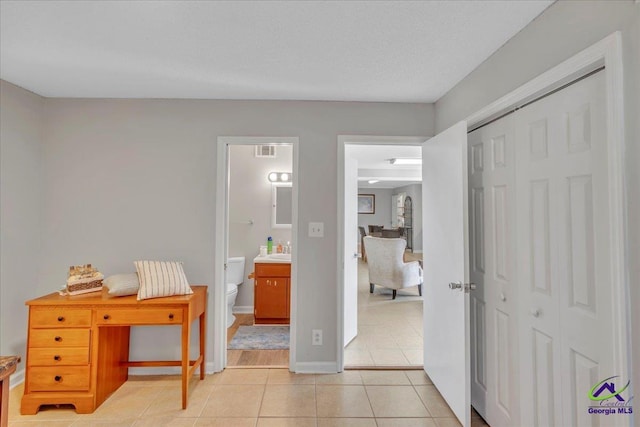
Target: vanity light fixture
point(279, 176)
point(406, 161)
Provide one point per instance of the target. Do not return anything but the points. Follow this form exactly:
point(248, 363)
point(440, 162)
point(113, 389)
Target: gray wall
point(123, 180)
point(382, 215)
point(564, 29)
point(21, 114)
point(415, 192)
point(250, 198)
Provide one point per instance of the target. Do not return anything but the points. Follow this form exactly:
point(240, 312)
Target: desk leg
point(203, 325)
point(186, 336)
point(4, 396)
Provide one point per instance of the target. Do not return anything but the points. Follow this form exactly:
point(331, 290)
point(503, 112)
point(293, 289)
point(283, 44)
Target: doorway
point(257, 199)
point(379, 331)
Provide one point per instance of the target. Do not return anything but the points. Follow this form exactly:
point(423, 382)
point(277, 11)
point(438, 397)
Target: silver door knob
point(464, 287)
point(355, 255)
point(535, 312)
point(503, 297)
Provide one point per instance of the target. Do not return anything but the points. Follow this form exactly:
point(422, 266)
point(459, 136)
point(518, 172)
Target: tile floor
point(389, 331)
point(262, 398)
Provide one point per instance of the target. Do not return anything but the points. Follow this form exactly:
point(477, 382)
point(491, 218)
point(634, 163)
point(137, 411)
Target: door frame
point(219, 304)
point(343, 141)
point(608, 53)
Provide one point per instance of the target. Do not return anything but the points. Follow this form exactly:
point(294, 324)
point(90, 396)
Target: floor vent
point(265, 151)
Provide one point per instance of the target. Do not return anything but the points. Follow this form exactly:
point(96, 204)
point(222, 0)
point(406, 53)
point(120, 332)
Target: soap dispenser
point(269, 245)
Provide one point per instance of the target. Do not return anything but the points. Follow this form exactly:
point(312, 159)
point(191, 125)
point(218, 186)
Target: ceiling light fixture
point(279, 176)
point(373, 181)
point(406, 161)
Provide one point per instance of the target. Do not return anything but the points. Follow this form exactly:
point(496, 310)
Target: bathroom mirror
point(281, 201)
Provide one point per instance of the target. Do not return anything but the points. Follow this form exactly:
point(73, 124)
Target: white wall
point(250, 198)
point(146, 174)
point(21, 114)
point(382, 215)
point(564, 29)
point(415, 192)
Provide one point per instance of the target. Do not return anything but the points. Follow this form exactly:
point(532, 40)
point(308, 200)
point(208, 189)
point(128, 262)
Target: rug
point(260, 338)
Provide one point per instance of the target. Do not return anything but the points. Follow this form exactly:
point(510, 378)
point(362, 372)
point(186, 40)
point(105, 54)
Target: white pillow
point(161, 279)
point(121, 285)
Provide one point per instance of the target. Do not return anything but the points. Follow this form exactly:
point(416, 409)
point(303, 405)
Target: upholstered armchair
point(363, 234)
point(386, 265)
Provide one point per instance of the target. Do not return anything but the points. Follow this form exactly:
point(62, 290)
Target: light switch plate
point(316, 229)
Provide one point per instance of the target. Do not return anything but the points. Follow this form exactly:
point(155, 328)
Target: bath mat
point(260, 338)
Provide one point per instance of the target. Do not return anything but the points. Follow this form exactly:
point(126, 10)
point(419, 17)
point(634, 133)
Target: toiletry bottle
point(279, 247)
point(288, 247)
point(269, 245)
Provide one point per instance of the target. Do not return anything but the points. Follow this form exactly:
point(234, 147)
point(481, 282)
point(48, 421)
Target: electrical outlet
point(316, 337)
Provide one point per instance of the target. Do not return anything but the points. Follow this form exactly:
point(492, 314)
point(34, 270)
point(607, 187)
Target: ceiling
point(409, 51)
point(373, 164)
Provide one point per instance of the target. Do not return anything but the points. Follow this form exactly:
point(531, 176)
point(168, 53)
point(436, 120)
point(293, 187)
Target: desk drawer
point(58, 378)
point(63, 356)
point(59, 317)
point(273, 270)
point(56, 338)
point(132, 316)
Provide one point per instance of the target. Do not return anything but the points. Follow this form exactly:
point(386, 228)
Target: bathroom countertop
point(273, 259)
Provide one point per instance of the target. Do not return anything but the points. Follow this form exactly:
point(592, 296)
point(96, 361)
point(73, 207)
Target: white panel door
point(446, 255)
point(494, 333)
point(350, 246)
point(563, 256)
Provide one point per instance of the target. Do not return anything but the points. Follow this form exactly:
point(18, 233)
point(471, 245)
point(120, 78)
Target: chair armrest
point(411, 274)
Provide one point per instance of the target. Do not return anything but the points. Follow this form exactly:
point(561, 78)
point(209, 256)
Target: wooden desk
point(7, 367)
point(78, 346)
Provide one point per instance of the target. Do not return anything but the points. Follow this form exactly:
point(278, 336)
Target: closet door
point(494, 339)
point(563, 255)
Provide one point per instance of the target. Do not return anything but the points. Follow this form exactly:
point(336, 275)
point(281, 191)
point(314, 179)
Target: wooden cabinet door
point(272, 298)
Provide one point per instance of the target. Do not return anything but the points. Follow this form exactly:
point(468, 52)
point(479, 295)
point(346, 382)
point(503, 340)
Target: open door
point(446, 272)
point(350, 246)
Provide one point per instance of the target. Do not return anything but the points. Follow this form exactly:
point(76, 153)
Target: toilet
point(235, 277)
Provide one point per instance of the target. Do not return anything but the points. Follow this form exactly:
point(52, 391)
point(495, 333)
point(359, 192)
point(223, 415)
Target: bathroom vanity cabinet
point(272, 293)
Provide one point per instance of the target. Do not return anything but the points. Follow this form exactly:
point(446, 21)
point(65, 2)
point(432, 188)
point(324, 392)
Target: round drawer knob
point(106, 317)
point(60, 319)
point(171, 316)
point(56, 357)
point(58, 339)
point(58, 378)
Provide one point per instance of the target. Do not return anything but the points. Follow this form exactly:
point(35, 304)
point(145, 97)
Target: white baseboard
point(316, 368)
point(243, 309)
point(210, 368)
point(417, 252)
point(170, 370)
point(16, 378)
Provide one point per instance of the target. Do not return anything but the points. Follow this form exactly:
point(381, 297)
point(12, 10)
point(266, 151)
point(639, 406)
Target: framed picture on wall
point(366, 203)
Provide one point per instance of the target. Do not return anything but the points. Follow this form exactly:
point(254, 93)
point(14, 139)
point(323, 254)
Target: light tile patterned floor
point(389, 331)
point(262, 398)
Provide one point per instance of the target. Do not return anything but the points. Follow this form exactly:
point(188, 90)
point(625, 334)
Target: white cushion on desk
point(121, 285)
point(161, 279)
